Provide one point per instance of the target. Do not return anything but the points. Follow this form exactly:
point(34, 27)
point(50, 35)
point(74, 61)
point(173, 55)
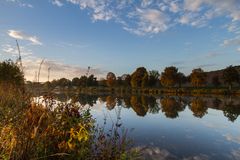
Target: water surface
point(171, 127)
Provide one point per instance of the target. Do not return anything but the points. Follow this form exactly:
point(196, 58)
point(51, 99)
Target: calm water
point(188, 128)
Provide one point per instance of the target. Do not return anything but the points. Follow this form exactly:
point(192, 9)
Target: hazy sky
point(120, 35)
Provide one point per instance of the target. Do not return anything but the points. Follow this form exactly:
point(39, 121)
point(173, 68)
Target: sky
point(119, 35)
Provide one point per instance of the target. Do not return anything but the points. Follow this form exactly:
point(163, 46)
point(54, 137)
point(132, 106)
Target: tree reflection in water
point(139, 105)
point(231, 110)
point(111, 102)
point(198, 107)
point(169, 105)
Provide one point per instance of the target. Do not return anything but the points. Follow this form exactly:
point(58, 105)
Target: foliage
point(49, 129)
point(215, 81)
point(126, 78)
point(231, 111)
point(138, 76)
point(230, 75)
point(171, 107)
point(11, 73)
point(181, 79)
point(139, 105)
point(198, 77)
point(110, 102)
point(169, 76)
point(153, 78)
point(198, 107)
point(111, 79)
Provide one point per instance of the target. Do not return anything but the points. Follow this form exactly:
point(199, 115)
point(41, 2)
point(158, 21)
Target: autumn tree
point(198, 77)
point(230, 75)
point(169, 76)
point(138, 76)
point(111, 79)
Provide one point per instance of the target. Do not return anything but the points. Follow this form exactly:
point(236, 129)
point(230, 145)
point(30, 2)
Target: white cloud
point(231, 42)
point(101, 10)
point(148, 17)
point(197, 157)
point(232, 138)
point(21, 4)
point(229, 8)
point(236, 154)
point(238, 49)
point(192, 5)
point(213, 54)
point(149, 21)
point(146, 3)
point(13, 51)
point(58, 69)
point(57, 3)
point(174, 7)
point(20, 35)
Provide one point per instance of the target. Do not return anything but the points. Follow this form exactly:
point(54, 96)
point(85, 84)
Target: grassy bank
point(55, 130)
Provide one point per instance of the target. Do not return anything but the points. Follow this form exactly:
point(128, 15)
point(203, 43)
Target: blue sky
point(120, 35)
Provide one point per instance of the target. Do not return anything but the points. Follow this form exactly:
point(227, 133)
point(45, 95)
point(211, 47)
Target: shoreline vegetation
point(188, 91)
point(48, 129)
point(141, 81)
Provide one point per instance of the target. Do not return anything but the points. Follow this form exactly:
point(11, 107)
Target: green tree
point(231, 111)
point(119, 81)
point(91, 80)
point(198, 77)
point(126, 78)
point(169, 76)
point(75, 81)
point(230, 75)
point(63, 82)
point(111, 79)
point(102, 82)
point(144, 81)
point(137, 77)
point(83, 81)
point(11, 73)
point(153, 78)
point(181, 79)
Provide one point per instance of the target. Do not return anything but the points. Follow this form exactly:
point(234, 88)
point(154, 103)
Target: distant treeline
point(141, 78)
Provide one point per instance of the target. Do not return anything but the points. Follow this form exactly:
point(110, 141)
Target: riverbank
point(48, 129)
point(159, 91)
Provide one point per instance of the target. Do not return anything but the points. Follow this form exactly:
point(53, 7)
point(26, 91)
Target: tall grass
point(54, 130)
